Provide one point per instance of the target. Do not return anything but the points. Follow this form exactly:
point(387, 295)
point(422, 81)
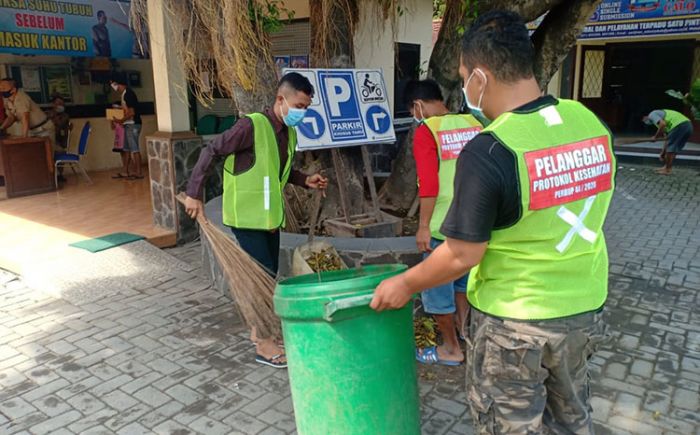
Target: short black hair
point(56, 97)
point(426, 90)
point(101, 14)
point(297, 82)
point(118, 78)
point(500, 41)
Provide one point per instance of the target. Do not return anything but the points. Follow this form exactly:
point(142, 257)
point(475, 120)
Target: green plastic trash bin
point(352, 371)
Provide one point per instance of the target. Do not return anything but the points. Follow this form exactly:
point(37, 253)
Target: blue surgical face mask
point(294, 116)
point(7, 94)
point(477, 110)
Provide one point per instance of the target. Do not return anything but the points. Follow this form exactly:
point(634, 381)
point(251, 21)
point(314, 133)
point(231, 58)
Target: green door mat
point(106, 242)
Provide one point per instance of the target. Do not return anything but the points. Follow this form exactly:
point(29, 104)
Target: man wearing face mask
point(131, 152)
point(259, 151)
point(437, 142)
point(531, 195)
point(20, 108)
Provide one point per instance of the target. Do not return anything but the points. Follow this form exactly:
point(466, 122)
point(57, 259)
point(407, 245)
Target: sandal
point(429, 356)
point(120, 175)
point(135, 177)
point(272, 362)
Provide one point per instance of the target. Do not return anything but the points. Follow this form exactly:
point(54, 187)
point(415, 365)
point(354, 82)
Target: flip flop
point(429, 356)
point(271, 361)
point(120, 175)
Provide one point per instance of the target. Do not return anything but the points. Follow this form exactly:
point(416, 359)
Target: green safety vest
point(254, 199)
point(451, 132)
point(673, 119)
point(553, 262)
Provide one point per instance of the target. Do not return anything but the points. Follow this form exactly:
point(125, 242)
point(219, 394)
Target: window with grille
point(593, 67)
point(293, 39)
point(696, 64)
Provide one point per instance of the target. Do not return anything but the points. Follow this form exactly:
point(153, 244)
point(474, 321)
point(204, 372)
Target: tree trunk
point(263, 94)
point(556, 35)
point(332, 30)
point(444, 60)
point(400, 189)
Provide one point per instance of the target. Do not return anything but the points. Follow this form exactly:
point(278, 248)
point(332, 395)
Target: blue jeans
point(131, 137)
point(263, 246)
point(441, 300)
point(679, 136)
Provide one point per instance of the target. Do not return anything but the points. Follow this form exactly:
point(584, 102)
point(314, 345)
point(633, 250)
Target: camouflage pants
point(531, 377)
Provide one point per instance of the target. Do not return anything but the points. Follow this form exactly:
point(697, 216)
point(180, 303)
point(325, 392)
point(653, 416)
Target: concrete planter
point(355, 252)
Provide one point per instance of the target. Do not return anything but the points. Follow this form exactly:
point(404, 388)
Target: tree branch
point(528, 9)
point(557, 34)
point(444, 60)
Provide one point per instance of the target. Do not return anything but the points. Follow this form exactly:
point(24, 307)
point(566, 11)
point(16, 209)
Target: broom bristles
point(250, 285)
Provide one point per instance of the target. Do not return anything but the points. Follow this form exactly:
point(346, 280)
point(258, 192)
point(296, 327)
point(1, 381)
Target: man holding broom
point(259, 151)
point(532, 191)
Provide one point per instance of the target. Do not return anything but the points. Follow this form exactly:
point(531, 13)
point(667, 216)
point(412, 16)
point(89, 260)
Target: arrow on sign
point(376, 117)
point(314, 125)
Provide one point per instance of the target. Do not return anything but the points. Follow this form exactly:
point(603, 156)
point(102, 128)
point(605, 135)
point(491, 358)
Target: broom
point(251, 287)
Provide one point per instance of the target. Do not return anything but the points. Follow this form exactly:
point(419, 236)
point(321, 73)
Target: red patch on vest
point(451, 142)
point(570, 172)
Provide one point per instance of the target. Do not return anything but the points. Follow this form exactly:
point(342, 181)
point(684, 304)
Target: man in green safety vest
point(531, 194)
point(677, 129)
point(259, 151)
point(437, 142)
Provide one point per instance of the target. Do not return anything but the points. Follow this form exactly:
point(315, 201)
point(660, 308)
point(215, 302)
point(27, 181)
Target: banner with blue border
point(639, 18)
point(77, 28)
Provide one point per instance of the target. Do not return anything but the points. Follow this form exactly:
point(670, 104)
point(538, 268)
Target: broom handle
point(314, 216)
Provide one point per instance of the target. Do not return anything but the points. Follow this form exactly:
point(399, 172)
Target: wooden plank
point(370, 182)
point(340, 175)
point(313, 219)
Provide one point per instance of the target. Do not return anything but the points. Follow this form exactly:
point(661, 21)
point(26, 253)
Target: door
point(592, 70)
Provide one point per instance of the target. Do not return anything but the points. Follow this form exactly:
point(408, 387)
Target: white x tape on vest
point(577, 226)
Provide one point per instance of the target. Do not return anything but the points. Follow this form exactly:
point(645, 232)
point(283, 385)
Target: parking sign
point(349, 108)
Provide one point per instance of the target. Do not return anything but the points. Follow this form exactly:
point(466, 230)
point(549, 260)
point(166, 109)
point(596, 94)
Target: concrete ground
point(156, 350)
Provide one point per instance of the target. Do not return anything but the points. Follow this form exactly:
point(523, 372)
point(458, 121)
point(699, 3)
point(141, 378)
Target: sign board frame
point(349, 108)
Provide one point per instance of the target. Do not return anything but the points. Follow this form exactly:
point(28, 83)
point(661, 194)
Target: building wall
point(300, 8)
point(99, 155)
point(374, 38)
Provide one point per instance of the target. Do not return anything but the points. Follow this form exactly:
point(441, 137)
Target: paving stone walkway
point(169, 355)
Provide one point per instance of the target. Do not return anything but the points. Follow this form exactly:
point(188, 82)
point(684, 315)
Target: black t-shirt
point(486, 194)
point(132, 102)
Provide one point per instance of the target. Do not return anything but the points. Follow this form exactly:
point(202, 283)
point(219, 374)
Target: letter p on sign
point(338, 92)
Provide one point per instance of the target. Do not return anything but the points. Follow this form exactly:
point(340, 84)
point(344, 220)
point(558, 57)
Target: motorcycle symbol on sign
point(371, 87)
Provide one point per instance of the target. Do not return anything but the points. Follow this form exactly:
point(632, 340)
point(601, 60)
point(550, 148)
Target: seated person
point(61, 122)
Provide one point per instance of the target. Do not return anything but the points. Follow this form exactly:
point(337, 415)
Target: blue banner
point(77, 28)
point(630, 18)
